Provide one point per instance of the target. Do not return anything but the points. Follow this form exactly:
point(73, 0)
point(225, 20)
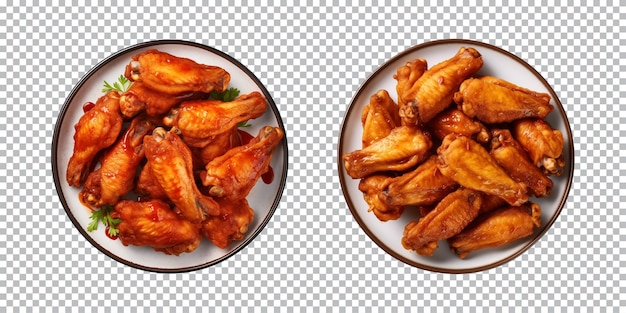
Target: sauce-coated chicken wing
point(154, 224)
point(230, 225)
point(139, 98)
point(174, 75)
point(233, 174)
point(454, 121)
point(469, 164)
point(497, 228)
point(96, 130)
point(406, 88)
point(543, 144)
point(379, 117)
point(372, 188)
point(493, 100)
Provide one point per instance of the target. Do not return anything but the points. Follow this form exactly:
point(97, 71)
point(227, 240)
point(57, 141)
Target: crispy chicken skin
point(147, 186)
point(171, 166)
point(493, 100)
point(497, 228)
point(406, 88)
point(423, 186)
point(512, 157)
point(469, 164)
point(96, 130)
point(116, 175)
point(218, 146)
point(454, 121)
point(154, 224)
point(434, 90)
point(543, 144)
point(173, 75)
point(372, 188)
point(379, 117)
point(139, 98)
point(447, 219)
point(402, 149)
point(230, 225)
point(200, 120)
point(233, 174)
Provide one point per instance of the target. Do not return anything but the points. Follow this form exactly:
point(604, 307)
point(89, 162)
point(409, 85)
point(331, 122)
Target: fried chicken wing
point(454, 121)
point(379, 117)
point(203, 119)
point(231, 224)
point(116, 175)
point(173, 75)
point(423, 186)
point(493, 100)
point(402, 149)
point(511, 156)
point(497, 228)
point(218, 146)
point(468, 163)
point(139, 98)
point(154, 224)
point(372, 188)
point(434, 90)
point(171, 166)
point(406, 88)
point(147, 186)
point(233, 174)
point(96, 130)
point(448, 218)
point(543, 144)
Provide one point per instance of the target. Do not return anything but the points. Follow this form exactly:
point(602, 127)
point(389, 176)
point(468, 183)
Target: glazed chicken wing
point(497, 228)
point(379, 117)
point(512, 157)
point(173, 75)
point(200, 120)
point(139, 98)
point(402, 149)
point(423, 186)
point(406, 88)
point(454, 121)
point(493, 100)
point(218, 146)
point(231, 224)
point(171, 166)
point(372, 188)
point(154, 224)
point(543, 144)
point(116, 175)
point(433, 91)
point(233, 174)
point(147, 186)
point(469, 164)
point(96, 130)
point(448, 218)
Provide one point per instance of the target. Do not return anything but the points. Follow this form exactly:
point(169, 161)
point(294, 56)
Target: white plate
point(387, 235)
point(263, 198)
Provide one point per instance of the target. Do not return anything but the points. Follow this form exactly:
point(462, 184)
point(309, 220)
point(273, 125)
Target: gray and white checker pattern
point(312, 256)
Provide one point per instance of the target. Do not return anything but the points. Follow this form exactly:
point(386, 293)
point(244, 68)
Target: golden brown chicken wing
point(116, 175)
point(96, 130)
point(454, 121)
point(379, 117)
point(512, 157)
point(231, 224)
point(448, 218)
point(402, 149)
point(470, 165)
point(218, 146)
point(173, 75)
point(148, 187)
point(171, 166)
point(200, 120)
point(497, 228)
point(139, 98)
point(154, 224)
point(423, 186)
point(493, 100)
point(233, 174)
point(543, 144)
point(433, 91)
point(406, 88)
point(372, 188)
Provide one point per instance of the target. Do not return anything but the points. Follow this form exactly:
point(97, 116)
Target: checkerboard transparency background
point(312, 256)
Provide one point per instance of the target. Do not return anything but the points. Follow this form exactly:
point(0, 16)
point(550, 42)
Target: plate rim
point(343, 177)
point(85, 77)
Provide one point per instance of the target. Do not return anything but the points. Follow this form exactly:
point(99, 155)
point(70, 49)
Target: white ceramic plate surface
point(498, 63)
point(264, 198)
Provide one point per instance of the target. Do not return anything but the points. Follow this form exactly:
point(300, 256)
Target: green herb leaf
point(244, 124)
point(122, 84)
point(228, 95)
point(104, 216)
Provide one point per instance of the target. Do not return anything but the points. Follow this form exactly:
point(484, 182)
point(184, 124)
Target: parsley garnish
point(227, 96)
point(104, 216)
point(122, 84)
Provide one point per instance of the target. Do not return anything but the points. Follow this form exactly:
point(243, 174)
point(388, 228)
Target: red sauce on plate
point(88, 106)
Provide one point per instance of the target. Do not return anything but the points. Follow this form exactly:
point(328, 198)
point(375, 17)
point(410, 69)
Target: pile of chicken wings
point(177, 150)
point(467, 152)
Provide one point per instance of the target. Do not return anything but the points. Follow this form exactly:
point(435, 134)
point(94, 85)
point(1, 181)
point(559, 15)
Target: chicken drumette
point(543, 144)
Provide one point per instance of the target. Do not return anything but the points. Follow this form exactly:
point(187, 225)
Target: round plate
point(387, 235)
point(264, 198)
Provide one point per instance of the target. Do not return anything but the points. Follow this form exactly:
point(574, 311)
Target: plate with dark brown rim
point(264, 198)
point(387, 235)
